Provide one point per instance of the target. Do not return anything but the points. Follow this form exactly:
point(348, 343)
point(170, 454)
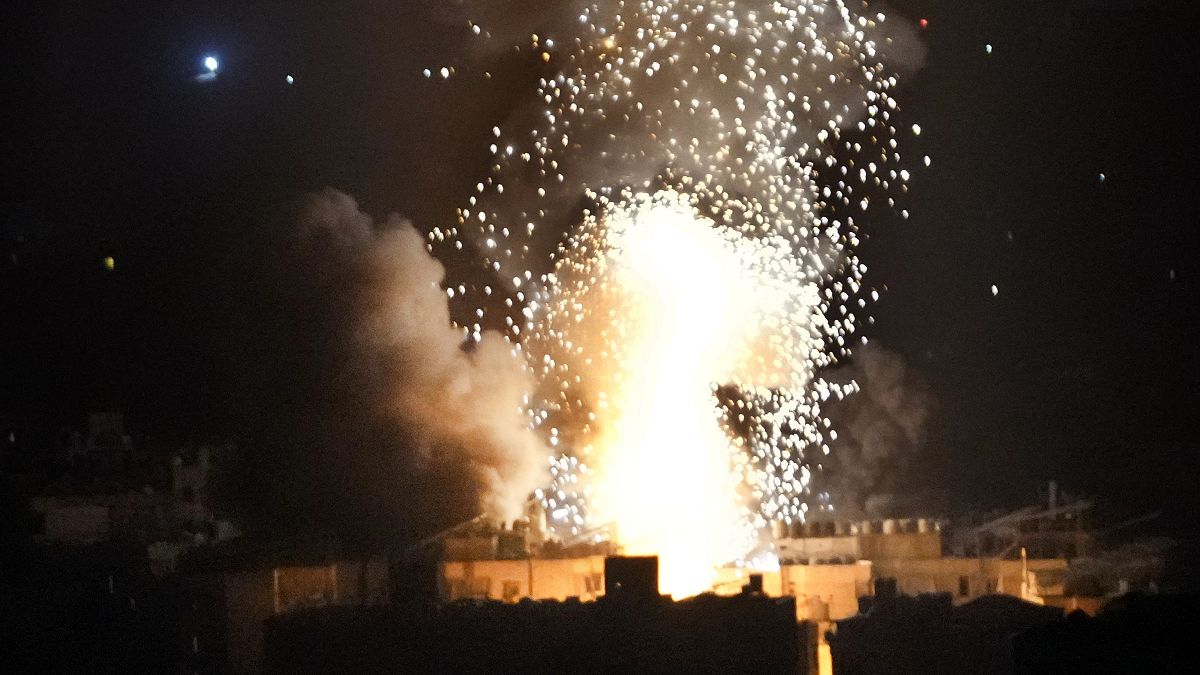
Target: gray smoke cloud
point(371, 419)
point(447, 397)
point(880, 429)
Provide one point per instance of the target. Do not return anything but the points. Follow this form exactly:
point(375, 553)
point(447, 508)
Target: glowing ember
point(709, 136)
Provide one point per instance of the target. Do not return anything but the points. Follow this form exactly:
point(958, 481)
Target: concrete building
point(1038, 580)
point(847, 541)
point(910, 552)
point(84, 519)
point(513, 580)
point(826, 567)
point(74, 521)
point(630, 629)
point(232, 603)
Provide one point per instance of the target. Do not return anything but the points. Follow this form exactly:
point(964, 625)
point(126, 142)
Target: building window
point(964, 586)
point(512, 591)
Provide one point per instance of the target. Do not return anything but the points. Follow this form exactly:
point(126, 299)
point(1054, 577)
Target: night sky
point(1062, 174)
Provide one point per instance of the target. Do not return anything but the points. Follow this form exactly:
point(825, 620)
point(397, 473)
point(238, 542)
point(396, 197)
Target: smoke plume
point(444, 395)
point(880, 429)
point(389, 414)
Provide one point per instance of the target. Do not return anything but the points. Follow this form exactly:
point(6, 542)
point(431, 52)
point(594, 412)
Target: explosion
point(705, 160)
point(649, 336)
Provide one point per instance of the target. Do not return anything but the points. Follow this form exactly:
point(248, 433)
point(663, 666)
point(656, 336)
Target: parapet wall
point(848, 541)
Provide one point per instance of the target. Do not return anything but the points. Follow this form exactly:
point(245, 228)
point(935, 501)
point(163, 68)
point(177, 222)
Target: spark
point(680, 329)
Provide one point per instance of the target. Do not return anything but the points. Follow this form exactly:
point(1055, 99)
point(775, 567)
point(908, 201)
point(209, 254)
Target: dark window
point(964, 585)
point(512, 590)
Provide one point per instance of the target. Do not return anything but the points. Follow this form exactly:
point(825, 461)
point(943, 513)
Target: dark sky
point(1082, 368)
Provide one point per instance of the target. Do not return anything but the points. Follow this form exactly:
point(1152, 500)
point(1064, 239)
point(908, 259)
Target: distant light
point(924, 23)
point(995, 291)
point(290, 80)
point(211, 63)
point(988, 48)
point(109, 263)
point(1102, 177)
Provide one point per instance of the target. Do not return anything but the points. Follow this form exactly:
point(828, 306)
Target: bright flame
point(666, 480)
point(673, 305)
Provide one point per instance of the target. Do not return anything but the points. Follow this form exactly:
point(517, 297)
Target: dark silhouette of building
point(1134, 633)
point(929, 634)
point(626, 631)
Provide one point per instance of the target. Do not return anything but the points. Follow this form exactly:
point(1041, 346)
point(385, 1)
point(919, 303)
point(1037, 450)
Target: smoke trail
point(405, 362)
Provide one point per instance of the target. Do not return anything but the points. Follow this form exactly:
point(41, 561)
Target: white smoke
point(464, 404)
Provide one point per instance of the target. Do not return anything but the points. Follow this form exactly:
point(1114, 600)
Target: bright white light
point(211, 63)
point(290, 79)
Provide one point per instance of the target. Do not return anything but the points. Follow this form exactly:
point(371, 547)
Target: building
point(629, 629)
point(513, 580)
point(930, 634)
point(232, 596)
point(85, 518)
point(1135, 633)
point(825, 567)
